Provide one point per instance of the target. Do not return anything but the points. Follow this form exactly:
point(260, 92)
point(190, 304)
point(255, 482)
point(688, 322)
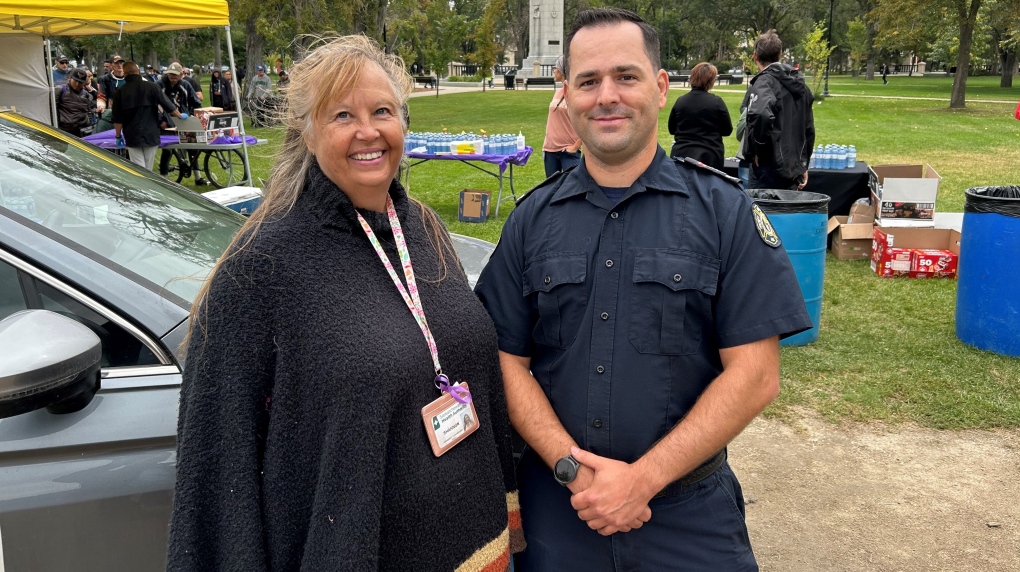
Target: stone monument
point(546, 38)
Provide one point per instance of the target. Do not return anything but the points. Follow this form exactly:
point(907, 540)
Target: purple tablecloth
point(108, 140)
point(519, 158)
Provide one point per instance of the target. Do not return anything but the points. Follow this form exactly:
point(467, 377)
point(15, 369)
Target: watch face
point(565, 471)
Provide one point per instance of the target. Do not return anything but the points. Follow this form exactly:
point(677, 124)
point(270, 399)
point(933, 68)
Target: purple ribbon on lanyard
point(411, 297)
point(458, 393)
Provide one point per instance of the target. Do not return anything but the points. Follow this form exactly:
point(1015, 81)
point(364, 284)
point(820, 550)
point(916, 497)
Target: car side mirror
point(48, 360)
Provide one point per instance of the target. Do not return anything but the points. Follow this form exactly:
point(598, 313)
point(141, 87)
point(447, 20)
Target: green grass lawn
point(887, 349)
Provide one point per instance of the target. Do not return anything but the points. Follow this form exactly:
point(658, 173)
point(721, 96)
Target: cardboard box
point(904, 195)
point(899, 251)
point(474, 205)
point(851, 235)
point(198, 136)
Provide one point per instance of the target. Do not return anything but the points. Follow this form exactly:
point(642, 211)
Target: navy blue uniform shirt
point(623, 308)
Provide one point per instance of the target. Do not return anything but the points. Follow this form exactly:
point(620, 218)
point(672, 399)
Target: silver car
point(99, 262)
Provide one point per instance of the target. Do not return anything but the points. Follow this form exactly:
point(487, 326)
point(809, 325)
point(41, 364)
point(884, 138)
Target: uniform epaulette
point(699, 165)
point(555, 176)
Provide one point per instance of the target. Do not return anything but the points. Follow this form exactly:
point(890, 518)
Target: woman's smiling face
point(358, 141)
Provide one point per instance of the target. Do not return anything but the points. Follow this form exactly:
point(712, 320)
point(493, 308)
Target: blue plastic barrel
point(988, 277)
point(800, 220)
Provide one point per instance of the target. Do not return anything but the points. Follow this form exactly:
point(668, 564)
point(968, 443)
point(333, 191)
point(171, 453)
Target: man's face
point(262, 73)
point(613, 94)
point(107, 66)
point(62, 64)
point(228, 76)
point(118, 68)
point(173, 78)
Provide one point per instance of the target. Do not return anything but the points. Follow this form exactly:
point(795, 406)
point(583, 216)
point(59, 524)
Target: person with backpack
point(74, 104)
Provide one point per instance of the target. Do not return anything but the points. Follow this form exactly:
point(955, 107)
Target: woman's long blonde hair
point(328, 73)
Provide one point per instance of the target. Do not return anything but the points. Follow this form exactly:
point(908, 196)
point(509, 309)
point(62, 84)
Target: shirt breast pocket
point(557, 282)
point(672, 300)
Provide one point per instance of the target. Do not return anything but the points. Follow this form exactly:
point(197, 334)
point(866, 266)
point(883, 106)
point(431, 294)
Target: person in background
point(259, 92)
point(699, 120)
point(229, 88)
point(92, 86)
point(108, 84)
point(560, 149)
point(885, 74)
point(639, 309)
point(136, 116)
point(301, 438)
point(61, 70)
point(284, 81)
point(186, 101)
point(195, 85)
point(216, 88)
point(150, 74)
point(780, 134)
point(74, 104)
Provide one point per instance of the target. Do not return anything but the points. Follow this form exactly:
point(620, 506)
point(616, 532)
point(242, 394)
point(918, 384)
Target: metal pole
point(825, 92)
point(49, 81)
point(237, 98)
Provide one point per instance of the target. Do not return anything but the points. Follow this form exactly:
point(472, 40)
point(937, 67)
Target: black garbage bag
point(998, 200)
point(778, 201)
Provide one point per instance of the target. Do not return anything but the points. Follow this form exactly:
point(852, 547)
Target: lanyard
point(410, 295)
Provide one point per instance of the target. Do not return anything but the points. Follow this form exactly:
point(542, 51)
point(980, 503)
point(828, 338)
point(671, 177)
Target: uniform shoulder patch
point(765, 230)
point(555, 176)
point(699, 165)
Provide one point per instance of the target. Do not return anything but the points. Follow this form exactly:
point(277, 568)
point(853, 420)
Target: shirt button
point(676, 278)
point(600, 369)
point(548, 279)
point(597, 423)
point(605, 315)
point(609, 264)
point(614, 215)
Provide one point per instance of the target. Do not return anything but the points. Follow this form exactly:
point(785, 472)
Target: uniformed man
point(639, 303)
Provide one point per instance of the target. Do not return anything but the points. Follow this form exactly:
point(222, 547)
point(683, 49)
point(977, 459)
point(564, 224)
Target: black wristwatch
point(565, 470)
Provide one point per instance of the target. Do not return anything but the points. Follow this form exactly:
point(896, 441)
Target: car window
point(12, 299)
point(128, 218)
point(120, 348)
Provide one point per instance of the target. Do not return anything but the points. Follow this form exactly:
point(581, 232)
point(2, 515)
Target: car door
point(89, 490)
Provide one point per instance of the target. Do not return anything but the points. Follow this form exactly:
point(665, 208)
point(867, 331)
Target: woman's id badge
point(448, 421)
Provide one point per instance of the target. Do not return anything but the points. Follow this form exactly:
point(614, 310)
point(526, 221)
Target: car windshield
point(131, 218)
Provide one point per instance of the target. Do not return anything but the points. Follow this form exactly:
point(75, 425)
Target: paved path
point(942, 99)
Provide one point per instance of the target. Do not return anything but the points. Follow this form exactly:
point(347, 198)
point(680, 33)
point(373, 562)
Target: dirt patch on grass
point(866, 497)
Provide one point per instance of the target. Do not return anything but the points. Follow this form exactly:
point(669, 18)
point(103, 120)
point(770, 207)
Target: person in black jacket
point(186, 100)
point(74, 104)
point(780, 124)
point(700, 120)
point(136, 115)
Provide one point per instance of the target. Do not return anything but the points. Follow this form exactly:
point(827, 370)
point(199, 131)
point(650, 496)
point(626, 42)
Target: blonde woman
point(316, 349)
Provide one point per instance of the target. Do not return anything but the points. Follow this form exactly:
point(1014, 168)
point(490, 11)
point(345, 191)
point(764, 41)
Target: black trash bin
point(800, 219)
point(508, 80)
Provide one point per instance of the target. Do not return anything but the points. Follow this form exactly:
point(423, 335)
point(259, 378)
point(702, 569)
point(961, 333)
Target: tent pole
point(54, 118)
point(237, 99)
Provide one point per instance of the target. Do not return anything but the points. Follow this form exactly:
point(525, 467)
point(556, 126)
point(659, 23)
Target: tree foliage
point(816, 54)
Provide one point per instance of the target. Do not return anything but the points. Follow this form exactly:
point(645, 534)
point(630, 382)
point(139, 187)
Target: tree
point(910, 23)
point(816, 53)
point(857, 37)
point(487, 48)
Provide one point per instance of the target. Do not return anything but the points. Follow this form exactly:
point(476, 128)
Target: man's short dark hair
point(768, 47)
point(603, 17)
point(131, 68)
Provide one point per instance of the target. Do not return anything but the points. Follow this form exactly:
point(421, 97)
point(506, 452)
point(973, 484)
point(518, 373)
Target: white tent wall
point(23, 76)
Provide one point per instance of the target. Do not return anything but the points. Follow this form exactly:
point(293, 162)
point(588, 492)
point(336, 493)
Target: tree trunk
point(217, 50)
point(255, 45)
point(152, 58)
point(1008, 68)
point(958, 99)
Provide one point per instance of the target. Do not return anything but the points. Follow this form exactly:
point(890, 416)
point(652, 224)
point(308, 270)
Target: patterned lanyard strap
point(410, 295)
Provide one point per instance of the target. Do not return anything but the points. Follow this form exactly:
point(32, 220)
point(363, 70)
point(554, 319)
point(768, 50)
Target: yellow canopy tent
point(20, 20)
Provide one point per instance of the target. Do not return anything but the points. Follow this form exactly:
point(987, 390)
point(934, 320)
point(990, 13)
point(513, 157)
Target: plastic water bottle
point(823, 157)
point(520, 141)
point(842, 156)
point(851, 157)
point(811, 162)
